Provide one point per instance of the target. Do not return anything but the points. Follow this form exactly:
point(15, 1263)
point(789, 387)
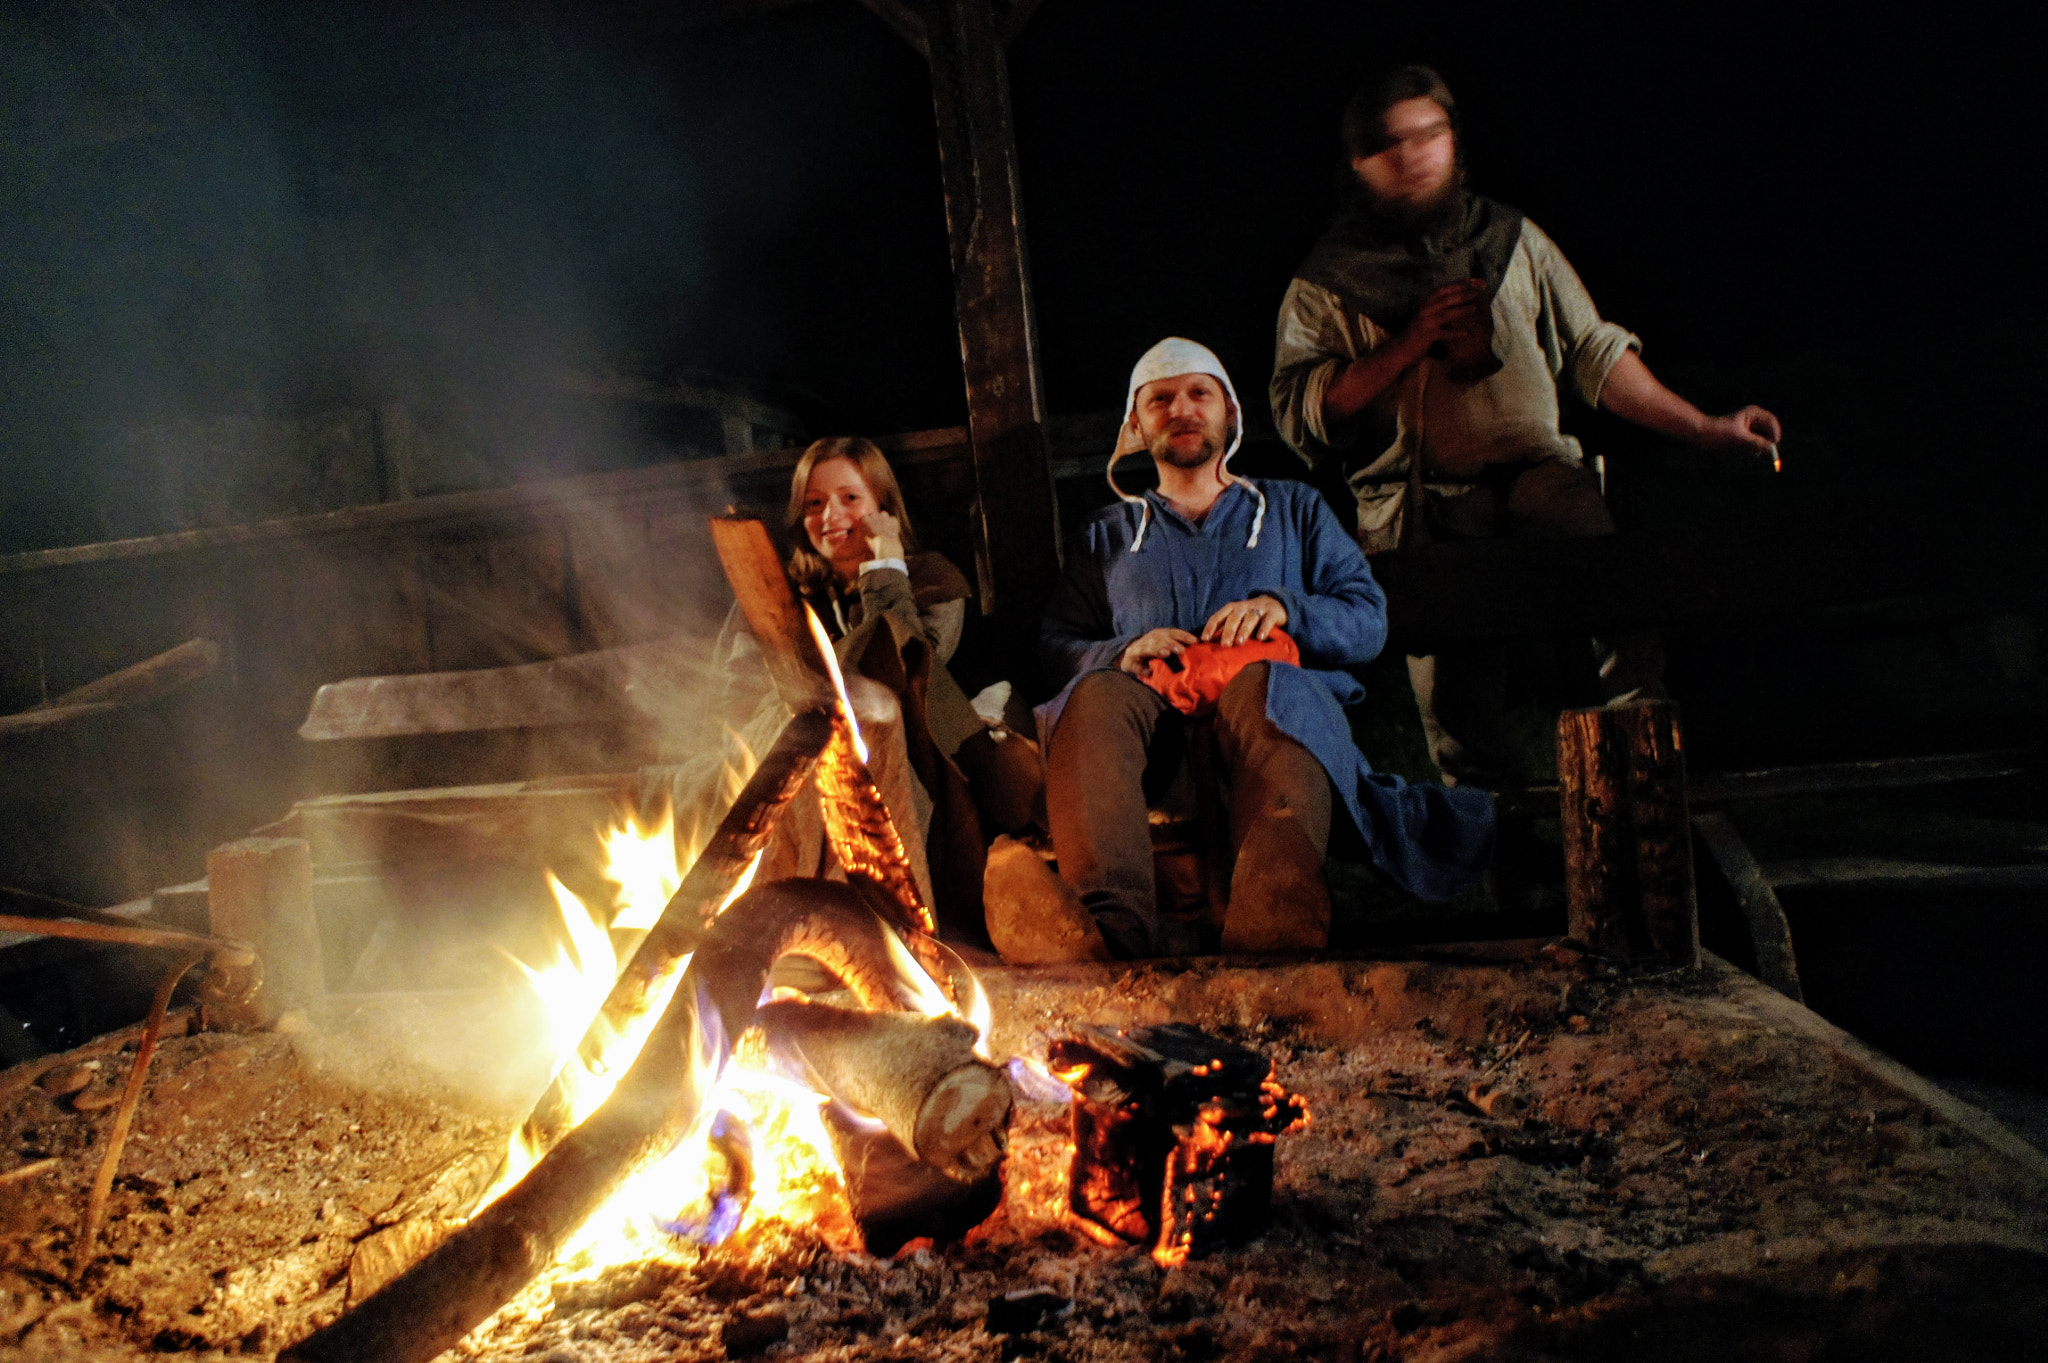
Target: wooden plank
point(1828, 778)
point(1887, 873)
point(151, 679)
point(1770, 932)
point(1017, 516)
point(1840, 777)
point(525, 501)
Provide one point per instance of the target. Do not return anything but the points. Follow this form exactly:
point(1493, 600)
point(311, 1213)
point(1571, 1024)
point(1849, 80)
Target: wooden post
point(1593, 805)
point(260, 891)
point(1627, 836)
point(1668, 905)
point(1014, 507)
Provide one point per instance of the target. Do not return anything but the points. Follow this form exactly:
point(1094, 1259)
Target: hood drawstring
point(1171, 358)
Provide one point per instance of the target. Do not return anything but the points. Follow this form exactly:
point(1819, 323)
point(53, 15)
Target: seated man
point(1213, 557)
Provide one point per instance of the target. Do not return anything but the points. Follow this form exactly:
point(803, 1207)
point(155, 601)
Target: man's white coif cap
point(1170, 359)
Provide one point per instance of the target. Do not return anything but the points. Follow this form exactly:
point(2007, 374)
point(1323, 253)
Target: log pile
point(941, 1105)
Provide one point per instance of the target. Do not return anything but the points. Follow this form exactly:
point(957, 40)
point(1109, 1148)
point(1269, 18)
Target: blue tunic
point(1432, 841)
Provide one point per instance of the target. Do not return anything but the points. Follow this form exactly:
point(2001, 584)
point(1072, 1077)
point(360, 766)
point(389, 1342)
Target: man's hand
point(1752, 431)
point(1157, 643)
point(1456, 314)
point(885, 535)
point(1633, 393)
point(1243, 620)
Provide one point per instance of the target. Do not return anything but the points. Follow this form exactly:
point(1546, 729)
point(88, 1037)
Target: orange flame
point(831, 656)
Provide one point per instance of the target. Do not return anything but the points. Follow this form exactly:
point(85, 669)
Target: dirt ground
point(1519, 1158)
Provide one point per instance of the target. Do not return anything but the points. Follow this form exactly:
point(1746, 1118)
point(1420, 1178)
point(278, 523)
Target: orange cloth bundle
point(1194, 687)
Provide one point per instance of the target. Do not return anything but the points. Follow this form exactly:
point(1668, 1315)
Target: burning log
point(918, 1076)
point(740, 837)
point(895, 1196)
point(488, 1260)
point(1173, 1137)
point(800, 662)
point(857, 821)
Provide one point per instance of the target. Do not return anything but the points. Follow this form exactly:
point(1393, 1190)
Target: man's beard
point(1162, 449)
point(1426, 215)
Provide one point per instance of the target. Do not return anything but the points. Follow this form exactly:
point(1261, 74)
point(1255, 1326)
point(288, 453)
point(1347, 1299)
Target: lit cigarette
point(1777, 464)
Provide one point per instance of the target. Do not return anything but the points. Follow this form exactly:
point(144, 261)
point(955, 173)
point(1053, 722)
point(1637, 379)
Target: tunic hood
point(1170, 359)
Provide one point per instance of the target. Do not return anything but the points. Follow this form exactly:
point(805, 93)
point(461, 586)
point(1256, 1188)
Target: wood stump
point(260, 891)
point(1627, 833)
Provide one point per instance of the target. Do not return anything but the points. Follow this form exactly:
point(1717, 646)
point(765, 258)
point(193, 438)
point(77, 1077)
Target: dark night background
point(214, 209)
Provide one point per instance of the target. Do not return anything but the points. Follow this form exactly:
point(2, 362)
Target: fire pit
point(793, 1121)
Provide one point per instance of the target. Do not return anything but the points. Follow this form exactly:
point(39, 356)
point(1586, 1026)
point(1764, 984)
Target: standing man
point(1209, 557)
point(1435, 328)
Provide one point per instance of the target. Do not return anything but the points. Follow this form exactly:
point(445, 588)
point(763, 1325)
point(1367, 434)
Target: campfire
point(805, 1051)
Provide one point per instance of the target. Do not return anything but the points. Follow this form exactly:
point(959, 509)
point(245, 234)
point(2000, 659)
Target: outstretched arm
point(1633, 393)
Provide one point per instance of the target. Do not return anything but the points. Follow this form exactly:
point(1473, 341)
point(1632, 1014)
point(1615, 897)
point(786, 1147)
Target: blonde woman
point(895, 616)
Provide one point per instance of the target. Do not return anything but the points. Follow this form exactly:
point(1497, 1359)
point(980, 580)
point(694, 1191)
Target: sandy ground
point(1526, 1159)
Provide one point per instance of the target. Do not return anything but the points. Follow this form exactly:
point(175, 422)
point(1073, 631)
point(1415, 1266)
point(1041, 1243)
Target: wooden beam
point(1770, 932)
point(1833, 778)
point(1891, 873)
point(907, 22)
point(1015, 510)
point(463, 512)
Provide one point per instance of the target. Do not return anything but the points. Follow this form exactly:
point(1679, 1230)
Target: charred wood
point(1173, 1137)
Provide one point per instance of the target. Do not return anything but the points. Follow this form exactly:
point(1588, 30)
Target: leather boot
point(1034, 917)
point(1278, 898)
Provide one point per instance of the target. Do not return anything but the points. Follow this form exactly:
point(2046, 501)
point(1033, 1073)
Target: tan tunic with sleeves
point(1547, 336)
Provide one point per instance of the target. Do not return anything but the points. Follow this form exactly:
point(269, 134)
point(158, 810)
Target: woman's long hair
point(810, 572)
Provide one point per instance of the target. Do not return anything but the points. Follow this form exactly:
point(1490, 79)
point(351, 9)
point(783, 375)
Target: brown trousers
point(1461, 689)
point(1118, 748)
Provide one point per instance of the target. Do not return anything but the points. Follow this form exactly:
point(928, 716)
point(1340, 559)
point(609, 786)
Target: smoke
point(242, 241)
point(235, 234)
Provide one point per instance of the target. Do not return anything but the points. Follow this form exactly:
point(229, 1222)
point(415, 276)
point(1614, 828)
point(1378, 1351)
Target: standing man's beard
point(1424, 215)
point(1162, 449)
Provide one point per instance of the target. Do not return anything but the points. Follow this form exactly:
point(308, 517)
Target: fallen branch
point(21, 1173)
point(131, 1097)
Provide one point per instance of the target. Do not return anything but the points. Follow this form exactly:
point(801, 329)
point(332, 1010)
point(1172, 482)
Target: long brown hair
point(808, 570)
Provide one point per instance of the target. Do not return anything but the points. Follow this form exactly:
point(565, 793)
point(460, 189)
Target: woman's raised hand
point(885, 535)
